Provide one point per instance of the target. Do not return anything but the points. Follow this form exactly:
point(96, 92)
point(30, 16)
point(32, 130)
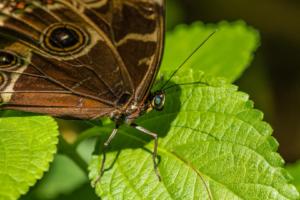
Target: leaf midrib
point(167, 152)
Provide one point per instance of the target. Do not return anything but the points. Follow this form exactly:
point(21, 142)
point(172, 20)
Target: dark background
point(273, 79)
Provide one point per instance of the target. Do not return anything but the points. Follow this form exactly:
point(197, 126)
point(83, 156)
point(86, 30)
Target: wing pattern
point(79, 59)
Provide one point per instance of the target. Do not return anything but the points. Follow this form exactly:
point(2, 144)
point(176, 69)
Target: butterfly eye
point(7, 59)
point(158, 101)
point(63, 39)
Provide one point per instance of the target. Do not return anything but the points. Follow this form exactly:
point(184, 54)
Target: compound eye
point(158, 102)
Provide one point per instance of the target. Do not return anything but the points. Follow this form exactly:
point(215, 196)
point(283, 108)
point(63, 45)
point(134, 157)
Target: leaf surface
point(226, 54)
point(213, 145)
point(27, 146)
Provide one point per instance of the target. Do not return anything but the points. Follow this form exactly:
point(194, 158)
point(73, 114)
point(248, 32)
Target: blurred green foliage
point(294, 170)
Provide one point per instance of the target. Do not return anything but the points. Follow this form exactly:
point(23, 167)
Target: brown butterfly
point(82, 59)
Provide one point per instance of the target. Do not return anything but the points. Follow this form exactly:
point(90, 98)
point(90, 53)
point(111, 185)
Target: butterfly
point(82, 59)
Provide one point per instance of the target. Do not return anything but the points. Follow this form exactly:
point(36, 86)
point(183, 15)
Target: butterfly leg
point(106, 144)
point(154, 153)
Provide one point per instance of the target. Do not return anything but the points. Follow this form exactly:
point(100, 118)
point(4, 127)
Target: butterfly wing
point(138, 35)
point(77, 58)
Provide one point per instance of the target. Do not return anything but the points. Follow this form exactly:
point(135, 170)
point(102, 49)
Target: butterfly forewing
point(79, 59)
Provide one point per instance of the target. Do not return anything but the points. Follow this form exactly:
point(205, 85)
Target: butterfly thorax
point(134, 109)
point(129, 113)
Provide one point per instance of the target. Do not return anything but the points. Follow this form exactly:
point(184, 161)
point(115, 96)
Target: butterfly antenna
point(188, 58)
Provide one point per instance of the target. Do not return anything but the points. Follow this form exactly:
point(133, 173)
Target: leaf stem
point(92, 133)
point(70, 151)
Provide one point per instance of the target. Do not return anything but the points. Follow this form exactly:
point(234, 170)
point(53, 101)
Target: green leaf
point(226, 54)
point(213, 145)
point(27, 145)
point(63, 178)
point(294, 170)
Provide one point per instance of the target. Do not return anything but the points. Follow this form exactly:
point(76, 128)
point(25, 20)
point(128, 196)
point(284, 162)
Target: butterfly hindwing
point(138, 34)
point(111, 55)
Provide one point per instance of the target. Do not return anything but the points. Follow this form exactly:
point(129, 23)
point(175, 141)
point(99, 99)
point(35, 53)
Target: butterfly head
point(157, 101)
